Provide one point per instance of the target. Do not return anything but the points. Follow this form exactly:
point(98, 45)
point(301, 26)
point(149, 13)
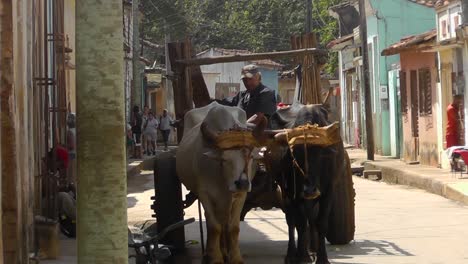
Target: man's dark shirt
point(261, 100)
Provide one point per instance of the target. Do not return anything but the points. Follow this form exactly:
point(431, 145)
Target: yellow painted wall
point(446, 62)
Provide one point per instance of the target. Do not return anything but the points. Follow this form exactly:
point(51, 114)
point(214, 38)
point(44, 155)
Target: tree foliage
point(255, 25)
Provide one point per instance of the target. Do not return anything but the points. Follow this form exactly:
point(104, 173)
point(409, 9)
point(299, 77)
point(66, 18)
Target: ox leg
point(214, 229)
point(312, 209)
point(290, 219)
point(235, 256)
point(302, 235)
point(225, 243)
point(324, 212)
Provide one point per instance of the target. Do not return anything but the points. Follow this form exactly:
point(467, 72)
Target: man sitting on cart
point(258, 101)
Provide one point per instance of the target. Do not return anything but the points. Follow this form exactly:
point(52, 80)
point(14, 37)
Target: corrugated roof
point(442, 3)
point(227, 52)
point(411, 42)
point(432, 3)
point(428, 3)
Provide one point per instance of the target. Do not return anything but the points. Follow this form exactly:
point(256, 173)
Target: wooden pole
point(309, 16)
point(10, 222)
point(367, 89)
point(249, 57)
point(102, 183)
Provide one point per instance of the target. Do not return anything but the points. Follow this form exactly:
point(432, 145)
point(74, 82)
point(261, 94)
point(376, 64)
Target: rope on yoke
point(294, 160)
point(201, 228)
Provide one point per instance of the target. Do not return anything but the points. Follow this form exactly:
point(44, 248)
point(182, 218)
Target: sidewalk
point(442, 182)
point(135, 168)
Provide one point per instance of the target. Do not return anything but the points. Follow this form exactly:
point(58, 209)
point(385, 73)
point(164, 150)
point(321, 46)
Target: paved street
point(394, 224)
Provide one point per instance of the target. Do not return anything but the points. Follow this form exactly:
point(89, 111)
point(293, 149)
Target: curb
point(439, 186)
point(134, 167)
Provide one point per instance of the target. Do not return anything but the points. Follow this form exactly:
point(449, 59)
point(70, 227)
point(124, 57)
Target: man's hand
point(256, 119)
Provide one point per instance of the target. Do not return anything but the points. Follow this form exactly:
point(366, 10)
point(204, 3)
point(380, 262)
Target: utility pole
point(136, 87)
point(169, 89)
point(464, 12)
point(309, 16)
point(367, 91)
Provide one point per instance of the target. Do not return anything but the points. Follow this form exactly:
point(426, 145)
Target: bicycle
point(149, 251)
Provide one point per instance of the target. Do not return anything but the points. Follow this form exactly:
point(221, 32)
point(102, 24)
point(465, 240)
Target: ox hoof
point(322, 261)
point(209, 260)
point(305, 260)
point(298, 260)
point(289, 260)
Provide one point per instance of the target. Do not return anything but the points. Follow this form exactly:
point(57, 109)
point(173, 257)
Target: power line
point(159, 11)
point(207, 13)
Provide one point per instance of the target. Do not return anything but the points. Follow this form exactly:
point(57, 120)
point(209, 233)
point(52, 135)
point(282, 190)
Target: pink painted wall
point(427, 141)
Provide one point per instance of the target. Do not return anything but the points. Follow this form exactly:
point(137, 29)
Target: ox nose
point(242, 185)
point(311, 192)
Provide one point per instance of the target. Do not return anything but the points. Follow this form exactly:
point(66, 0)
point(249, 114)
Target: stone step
point(357, 170)
point(376, 173)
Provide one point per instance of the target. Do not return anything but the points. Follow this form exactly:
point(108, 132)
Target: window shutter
point(403, 93)
point(444, 28)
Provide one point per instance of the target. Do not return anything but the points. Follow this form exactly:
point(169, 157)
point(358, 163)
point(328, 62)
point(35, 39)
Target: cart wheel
point(341, 225)
point(168, 199)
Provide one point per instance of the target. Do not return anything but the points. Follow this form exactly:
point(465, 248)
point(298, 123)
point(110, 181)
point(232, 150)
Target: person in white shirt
point(150, 131)
point(165, 126)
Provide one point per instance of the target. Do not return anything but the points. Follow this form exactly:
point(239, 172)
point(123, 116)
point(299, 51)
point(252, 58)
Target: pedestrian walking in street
point(130, 143)
point(454, 125)
point(150, 131)
point(165, 123)
point(136, 131)
point(144, 118)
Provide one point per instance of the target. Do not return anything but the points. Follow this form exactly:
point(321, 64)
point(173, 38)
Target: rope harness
point(304, 172)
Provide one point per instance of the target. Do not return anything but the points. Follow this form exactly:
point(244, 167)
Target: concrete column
point(102, 183)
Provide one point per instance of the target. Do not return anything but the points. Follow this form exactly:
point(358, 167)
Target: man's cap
point(249, 71)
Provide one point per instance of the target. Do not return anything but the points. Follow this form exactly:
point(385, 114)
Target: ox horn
point(258, 131)
point(208, 134)
point(281, 136)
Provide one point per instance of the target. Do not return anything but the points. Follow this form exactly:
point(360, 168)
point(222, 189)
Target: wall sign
point(383, 92)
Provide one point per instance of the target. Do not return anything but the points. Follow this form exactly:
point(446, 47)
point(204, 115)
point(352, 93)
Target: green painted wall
point(390, 21)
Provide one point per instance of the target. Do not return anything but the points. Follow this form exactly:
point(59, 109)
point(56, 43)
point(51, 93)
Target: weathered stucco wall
point(427, 124)
point(390, 21)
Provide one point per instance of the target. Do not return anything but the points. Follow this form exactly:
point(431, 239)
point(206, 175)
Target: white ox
point(220, 178)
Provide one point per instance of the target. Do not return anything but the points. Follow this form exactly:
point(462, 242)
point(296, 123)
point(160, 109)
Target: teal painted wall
point(391, 21)
point(270, 79)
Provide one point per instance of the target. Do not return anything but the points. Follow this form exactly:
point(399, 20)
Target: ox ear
point(213, 154)
point(257, 154)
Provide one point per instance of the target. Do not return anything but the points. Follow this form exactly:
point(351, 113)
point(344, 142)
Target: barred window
point(425, 91)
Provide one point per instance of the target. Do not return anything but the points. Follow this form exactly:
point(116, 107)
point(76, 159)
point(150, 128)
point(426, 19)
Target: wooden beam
point(251, 57)
point(150, 44)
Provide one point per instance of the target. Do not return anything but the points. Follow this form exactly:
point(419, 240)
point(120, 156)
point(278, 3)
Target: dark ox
point(307, 176)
